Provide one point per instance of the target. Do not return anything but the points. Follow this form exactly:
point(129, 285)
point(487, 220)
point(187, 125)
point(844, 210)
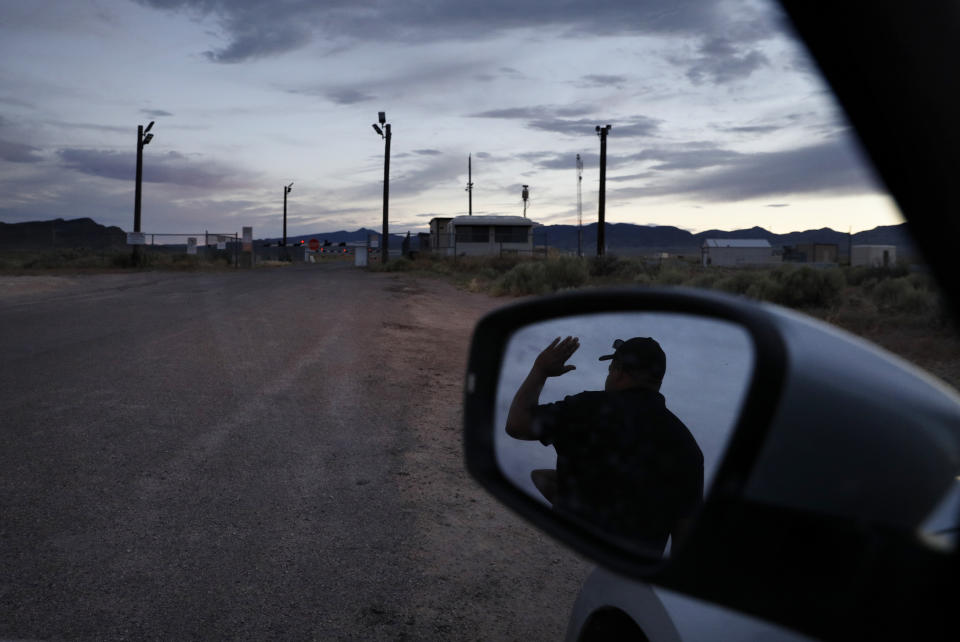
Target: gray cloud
point(533, 112)
point(427, 152)
point(778, 205)
point(552, 160)
point(683, 157)
point(437, 171)
point(19, 152)
point(155, 113)
point(556, 119)
point(601, 80)
point(751, 129)
point(171, 167)
point(832, 167)
point(720, 60)
point(349, 96)
point(640, 126)
point(256, 29)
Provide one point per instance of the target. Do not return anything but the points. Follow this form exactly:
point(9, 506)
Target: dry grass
point(895, 308)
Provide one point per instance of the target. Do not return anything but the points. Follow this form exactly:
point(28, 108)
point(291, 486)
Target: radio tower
point(470, 185)
point(579, 206)
point(526, 196)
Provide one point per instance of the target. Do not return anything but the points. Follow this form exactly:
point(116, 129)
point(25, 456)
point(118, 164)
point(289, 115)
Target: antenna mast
point(470, 185)
point(579, 206)
point(526, 196)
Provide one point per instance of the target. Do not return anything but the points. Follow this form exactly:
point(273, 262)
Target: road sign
point(136, 238)
point(314, 244)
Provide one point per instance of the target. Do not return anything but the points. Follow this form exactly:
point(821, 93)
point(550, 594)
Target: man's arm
point(549, 363)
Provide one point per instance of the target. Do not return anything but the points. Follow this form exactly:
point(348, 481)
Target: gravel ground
point(256, 455)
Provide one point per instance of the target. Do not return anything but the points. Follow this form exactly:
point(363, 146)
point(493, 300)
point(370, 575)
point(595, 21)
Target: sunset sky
point(719, 118)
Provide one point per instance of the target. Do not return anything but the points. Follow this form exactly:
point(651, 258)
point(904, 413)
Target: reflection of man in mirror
point(625, 463)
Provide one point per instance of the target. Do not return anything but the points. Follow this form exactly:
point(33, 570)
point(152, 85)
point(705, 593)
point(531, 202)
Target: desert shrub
point(705, 280)
point(605, 265)
point(672, 275)
point(737, 282)
point(903, 295)
point(765, 287)
point(857, 275)
point(541, 277)
point(808, 287)
point(401, 264)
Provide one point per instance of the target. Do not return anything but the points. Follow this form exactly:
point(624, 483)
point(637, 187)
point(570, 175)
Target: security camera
point(382, 117)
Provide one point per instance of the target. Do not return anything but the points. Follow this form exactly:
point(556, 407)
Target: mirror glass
point(618, 421)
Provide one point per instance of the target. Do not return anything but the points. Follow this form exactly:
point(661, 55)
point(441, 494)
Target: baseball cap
point(639, 353)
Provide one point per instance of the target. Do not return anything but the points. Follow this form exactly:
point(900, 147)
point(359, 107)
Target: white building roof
point(736, 243)
point(492, 220)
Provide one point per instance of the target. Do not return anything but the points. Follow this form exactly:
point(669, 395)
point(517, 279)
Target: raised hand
point(552, 361)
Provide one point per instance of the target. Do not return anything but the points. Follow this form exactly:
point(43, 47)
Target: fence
point(216, 247)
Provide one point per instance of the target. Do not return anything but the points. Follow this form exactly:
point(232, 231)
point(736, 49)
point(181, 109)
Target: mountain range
point(625, 238)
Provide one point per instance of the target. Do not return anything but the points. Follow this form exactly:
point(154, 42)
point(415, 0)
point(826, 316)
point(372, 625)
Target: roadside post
point(248, 246)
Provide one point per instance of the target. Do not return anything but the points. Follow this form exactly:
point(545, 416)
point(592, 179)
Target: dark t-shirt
point(625, 463)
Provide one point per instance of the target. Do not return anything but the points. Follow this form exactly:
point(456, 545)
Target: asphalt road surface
point(254, 454)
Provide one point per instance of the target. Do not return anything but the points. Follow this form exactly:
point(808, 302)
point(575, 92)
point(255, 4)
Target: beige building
point(738, 252)
point(873, 255)
point(482, 235)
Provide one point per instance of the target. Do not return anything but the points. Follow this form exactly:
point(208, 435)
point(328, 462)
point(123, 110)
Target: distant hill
point(622, 238)
point(60, 233)
point(628, 238)
point(342, 236)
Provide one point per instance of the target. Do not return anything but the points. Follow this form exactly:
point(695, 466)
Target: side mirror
point(829, 469)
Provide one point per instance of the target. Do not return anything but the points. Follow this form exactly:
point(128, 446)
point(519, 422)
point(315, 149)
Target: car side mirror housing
point(829, 470)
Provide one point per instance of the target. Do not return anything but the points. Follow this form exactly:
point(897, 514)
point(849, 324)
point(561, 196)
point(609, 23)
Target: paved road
point(228, 455)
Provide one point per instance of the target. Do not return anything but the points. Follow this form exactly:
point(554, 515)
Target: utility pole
point(385, 134)
point(525, 194)
point(470, 185)
point(601, 241)
point(143, 138)
point(286, 190)
point(579, 207)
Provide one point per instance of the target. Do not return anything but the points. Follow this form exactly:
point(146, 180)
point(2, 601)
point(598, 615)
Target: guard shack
point(482, 235)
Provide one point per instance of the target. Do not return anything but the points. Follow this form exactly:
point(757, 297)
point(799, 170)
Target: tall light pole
point(141, 141)
point(470, 185)
point(385, 134)
point(579, 207)
point(602, 133)
point(286, 190)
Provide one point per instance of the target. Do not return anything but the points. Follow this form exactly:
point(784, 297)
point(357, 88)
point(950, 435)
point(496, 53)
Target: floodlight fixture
point(147, 139)
point(377, 129)
point(382, 117)
point(148, 127)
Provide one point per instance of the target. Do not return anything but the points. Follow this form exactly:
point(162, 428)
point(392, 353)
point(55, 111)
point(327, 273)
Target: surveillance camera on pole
point(385, 134)
point(141, 141)
point(286, 190)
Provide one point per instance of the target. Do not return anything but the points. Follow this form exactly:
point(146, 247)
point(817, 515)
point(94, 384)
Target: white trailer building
point(873, 255)
point(738, 252)
point(483, 235)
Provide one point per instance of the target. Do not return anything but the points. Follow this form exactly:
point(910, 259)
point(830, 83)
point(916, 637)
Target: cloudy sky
point(719, 118)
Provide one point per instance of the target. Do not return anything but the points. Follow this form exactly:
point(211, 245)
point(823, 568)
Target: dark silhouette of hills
point(60, 233)
point(343, 236)
point(624, 238)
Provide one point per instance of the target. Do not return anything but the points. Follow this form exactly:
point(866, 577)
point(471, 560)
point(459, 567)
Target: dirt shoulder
point(492, 575)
